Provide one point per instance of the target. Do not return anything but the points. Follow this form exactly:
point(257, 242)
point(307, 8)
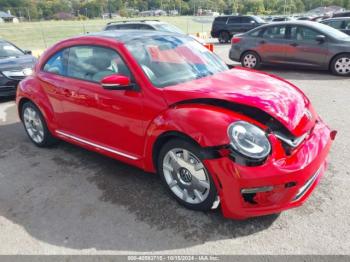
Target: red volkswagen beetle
point(164, 103)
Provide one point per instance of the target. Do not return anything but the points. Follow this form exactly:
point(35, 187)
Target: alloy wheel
point(186, 176)
point(33, 125)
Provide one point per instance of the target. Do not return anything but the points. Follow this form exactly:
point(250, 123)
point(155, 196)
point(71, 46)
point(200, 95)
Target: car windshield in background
point(8, 50)
point(168, 28)
point(170, 60)
point(332, 31)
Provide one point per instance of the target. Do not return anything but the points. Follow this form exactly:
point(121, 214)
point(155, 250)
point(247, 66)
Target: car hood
point(276, 97)
point(18, 62)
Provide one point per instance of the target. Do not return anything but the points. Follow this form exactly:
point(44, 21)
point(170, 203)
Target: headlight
point(249, 140)
point(18, 73)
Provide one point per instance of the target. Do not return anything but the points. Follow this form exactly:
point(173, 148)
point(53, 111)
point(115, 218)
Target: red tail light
point(235, 40)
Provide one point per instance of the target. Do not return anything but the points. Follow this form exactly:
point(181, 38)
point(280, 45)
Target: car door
point(60, 92)
point(111, 119)
point(304, 49)
point(271, 45)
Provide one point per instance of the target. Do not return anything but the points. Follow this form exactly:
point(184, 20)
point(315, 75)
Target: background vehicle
point(143, 25)
point(224, 27)
point(280, 19)
point(342, 14)
point(164, 103)
point(301, 43)
point(15, 64)
point(340, 23)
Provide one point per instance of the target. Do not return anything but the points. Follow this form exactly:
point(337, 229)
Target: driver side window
point(92, 63)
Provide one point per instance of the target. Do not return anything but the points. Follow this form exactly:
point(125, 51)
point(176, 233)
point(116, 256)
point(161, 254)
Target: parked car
point(143, 25)
point(166, 104)
point(342, 14)
point(297, 43)
point(224, 27)
point(341, 23)
point(15, 64)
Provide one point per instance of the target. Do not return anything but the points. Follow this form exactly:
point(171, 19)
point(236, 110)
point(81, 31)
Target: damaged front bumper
point(282, 182)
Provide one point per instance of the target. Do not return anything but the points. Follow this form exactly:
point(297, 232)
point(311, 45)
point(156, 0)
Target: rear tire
point(340, 65)
point(35, 126)
point(251, 60)
point(185, 176)
point(224, 37)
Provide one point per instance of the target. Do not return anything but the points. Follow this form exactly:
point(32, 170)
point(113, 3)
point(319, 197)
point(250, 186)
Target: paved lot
point(67, 200)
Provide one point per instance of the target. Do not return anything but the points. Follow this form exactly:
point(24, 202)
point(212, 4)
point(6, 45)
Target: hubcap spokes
point(249, 61)
point(186, 176)
point(33, 125)
point(342, 65)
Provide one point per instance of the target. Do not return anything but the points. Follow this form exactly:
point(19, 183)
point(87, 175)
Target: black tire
point(252, 55)
point(338, 69)
point(224, 37)
point(211, 197)
point(48, 140)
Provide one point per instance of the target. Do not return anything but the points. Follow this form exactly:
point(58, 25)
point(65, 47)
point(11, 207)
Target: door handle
point(294, 44)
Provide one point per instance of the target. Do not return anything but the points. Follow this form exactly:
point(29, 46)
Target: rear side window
point(255, 33)
point(234, 20)
point(275, 32)
point(57, 64)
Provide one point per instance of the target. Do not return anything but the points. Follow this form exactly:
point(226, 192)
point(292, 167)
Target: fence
point(37, 36)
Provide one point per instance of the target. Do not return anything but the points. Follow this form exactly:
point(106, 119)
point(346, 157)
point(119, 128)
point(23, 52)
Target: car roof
point(136, 22)
point(125, 36)
point(293, 22)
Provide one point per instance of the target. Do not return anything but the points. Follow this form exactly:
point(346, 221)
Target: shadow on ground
point(67, 196)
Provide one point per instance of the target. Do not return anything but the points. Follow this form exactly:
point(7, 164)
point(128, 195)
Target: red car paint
point(85, 114)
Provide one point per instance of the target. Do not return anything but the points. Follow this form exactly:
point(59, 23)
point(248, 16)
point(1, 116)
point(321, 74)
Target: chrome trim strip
point(97, 146)
point(256, 190)
point(305, 188)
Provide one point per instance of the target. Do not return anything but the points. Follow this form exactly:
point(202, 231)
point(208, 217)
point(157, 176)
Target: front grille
point(17, 78)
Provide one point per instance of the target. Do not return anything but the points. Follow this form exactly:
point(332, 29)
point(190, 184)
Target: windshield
point(170, 60)
point(8, 50)
point(168, 28)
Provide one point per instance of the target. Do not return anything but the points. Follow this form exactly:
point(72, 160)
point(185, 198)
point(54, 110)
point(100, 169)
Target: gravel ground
point(66, 200)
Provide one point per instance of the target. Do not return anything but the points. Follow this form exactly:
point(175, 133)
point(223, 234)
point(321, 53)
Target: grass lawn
point(37, 36)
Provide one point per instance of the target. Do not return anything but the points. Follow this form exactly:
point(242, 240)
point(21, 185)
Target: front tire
point(340, 65)
point(251, 60)
point(35, 126)
point(185, 176)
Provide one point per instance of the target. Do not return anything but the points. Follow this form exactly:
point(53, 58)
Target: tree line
point(48, 9)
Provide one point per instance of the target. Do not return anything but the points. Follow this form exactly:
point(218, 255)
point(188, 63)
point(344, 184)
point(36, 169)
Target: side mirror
point(116, 82)
point(320, 38)
point(27, 52)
